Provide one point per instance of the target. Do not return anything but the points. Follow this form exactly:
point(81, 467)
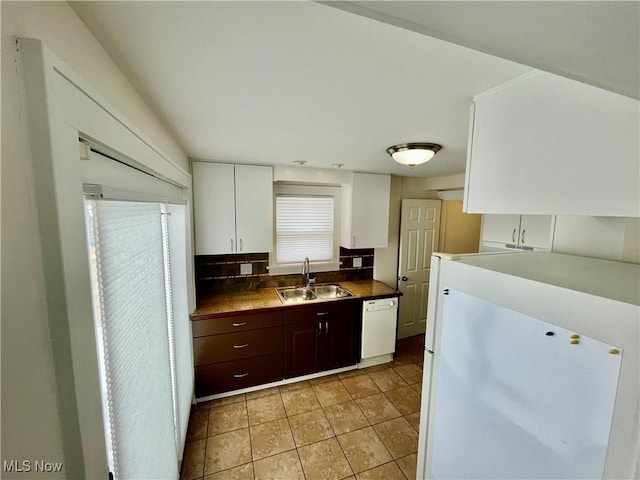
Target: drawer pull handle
point(322, 314)
point(240, 375)
point(241, 346)
point(241, 324)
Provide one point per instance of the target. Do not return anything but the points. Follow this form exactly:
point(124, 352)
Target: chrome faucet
point(305, 272)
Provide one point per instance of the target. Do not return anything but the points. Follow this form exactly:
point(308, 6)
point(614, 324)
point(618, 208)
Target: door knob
point(404, 279)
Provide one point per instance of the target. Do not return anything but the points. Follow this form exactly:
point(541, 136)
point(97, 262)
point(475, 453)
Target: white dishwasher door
point(379, 320)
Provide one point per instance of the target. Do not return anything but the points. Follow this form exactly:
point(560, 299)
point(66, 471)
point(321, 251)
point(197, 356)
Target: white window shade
point(304, 228)
point(126, 250)
point(179, 327)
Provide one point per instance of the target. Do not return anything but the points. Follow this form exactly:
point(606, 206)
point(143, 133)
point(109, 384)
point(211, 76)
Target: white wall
point(610, 238)
point(33, 407)
point(413, 187)
point(62, 31)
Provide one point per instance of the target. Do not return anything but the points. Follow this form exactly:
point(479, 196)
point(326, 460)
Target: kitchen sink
point(295, 294)
point(331, 291)
point(315, 292)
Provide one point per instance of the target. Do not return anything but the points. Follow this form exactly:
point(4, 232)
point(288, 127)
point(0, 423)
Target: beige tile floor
point(361, 424)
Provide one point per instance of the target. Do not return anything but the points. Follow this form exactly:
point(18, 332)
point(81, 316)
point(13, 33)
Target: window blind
point(304, 228)
point(179, 329)
point(126, 253)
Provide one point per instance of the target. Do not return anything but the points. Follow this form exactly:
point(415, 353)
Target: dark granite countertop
point(263, 299)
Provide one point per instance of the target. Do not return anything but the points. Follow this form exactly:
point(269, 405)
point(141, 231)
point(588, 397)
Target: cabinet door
point(236, 323)
point(254, 209)
point(502, 229)
point(540, 145)
point(536, 231)
point(341, 337)
point(246, 372)
point(301, 353)
point(368, 211)
point(234, 346)
point(214, 208)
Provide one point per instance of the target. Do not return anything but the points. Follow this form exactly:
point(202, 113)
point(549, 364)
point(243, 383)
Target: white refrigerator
point(531, 368)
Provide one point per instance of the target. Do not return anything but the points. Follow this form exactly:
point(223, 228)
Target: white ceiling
point(274, 82)
point(596, 42)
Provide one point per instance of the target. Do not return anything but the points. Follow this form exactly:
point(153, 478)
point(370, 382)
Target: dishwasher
point(379, 320)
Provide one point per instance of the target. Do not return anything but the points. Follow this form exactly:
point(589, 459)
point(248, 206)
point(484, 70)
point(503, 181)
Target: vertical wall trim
point(31, 78)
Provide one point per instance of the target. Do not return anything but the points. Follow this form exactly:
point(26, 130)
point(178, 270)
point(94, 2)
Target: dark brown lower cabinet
point(242, 351)
point(237, 352)
point(322, 337)
point(342, 342)
point(228, 376)
point(301, 348)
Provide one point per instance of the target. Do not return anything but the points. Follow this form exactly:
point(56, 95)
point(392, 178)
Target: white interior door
point(419, 234)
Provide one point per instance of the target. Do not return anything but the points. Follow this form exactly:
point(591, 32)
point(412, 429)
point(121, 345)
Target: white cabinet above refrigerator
point(545, 145)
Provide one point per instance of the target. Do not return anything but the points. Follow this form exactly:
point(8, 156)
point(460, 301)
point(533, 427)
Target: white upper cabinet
point(536, 231)
point(501, 229)
point(526, 232)
point(214, 208)
point(254, 209)
point(233, 208)
point(544, 144)
point(365, 211)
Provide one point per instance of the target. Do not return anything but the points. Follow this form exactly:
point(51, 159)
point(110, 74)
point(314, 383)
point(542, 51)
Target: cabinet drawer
point(318, 312)
point(237, 323)
point(227, 376)
point(233, 346)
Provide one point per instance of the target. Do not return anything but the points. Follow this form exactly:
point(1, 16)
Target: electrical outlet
point(246, 268)
point(357, 262)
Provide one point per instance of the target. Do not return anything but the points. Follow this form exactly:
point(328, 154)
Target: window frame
point(310, 190)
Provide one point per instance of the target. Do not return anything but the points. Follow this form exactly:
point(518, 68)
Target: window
point(138, 257)
point(305, 226)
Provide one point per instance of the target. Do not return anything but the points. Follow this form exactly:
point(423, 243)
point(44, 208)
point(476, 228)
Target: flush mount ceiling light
point(413, 154)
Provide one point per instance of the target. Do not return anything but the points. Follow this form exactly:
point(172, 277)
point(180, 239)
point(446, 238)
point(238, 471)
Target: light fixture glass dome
point(413, 153)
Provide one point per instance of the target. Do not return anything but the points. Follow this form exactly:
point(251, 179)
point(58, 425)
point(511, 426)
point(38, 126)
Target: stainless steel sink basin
point(295, 294)
point(331, 291)
point(315, 292)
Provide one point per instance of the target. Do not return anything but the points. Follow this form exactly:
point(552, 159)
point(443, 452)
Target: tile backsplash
point(223, 273)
